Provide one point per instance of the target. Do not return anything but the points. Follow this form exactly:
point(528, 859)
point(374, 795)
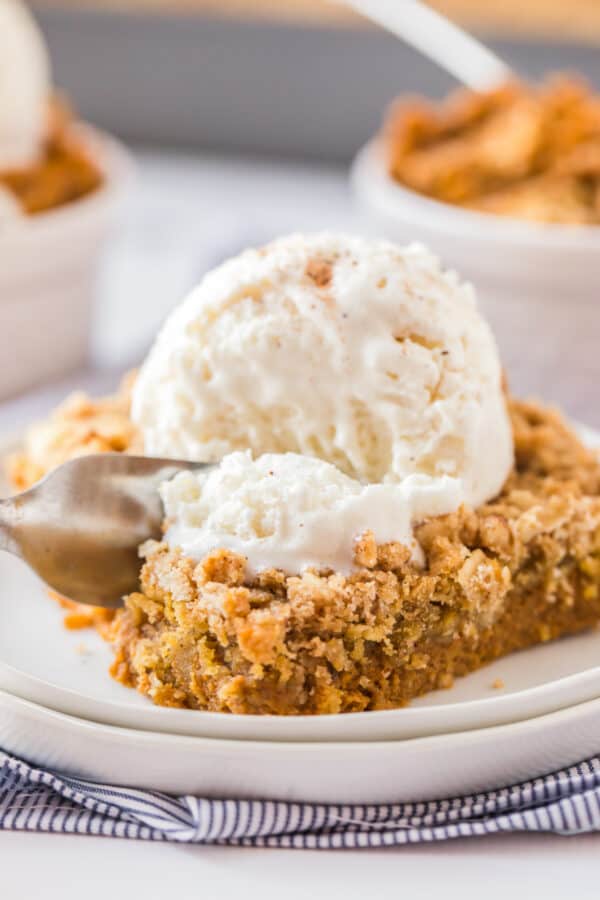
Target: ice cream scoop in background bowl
point(537, 284)
point(48, 260)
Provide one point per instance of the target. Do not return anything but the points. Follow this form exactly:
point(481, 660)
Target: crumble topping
point(530, 153)
point(77, 427)
point(65, 173)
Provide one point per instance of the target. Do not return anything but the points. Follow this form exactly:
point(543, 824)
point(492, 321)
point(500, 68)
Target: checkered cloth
point(31, 799)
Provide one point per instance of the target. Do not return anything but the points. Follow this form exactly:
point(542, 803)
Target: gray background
point(250, 86)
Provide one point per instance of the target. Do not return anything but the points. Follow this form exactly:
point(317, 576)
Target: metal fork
point(81, 526)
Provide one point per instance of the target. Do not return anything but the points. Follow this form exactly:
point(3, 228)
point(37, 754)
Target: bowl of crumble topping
point(48, 269)
point(60, 182)
point(506, 187)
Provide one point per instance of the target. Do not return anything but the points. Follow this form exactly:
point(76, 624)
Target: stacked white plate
point(59, 708)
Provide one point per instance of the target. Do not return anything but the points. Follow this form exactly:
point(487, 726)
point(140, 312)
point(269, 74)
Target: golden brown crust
point(522, 569)
point(66, 171)
point(516, 151)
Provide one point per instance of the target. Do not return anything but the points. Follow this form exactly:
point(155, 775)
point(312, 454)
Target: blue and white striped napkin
point(31, 799)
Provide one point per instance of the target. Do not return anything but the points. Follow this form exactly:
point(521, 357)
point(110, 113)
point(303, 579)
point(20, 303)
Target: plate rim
point(471, 736)
point(367, 772)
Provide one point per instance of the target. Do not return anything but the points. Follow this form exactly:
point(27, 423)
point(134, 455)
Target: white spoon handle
point(8, 517)
point(439, 39)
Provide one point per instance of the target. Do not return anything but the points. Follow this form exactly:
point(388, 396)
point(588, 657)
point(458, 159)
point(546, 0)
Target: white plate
point(68, 671)
point(368, 772)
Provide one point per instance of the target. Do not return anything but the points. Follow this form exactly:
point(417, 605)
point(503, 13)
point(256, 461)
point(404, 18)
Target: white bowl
point(537, 283)
point(48, 268)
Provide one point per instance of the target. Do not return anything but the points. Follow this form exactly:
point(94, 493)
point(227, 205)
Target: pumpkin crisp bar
point(520, 570)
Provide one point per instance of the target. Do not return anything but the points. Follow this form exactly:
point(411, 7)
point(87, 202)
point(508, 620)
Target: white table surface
point(82, 868)
point(185, 214)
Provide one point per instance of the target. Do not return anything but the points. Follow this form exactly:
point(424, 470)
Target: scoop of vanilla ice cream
point(358, 352)
point(292, 512)
point(24, 86)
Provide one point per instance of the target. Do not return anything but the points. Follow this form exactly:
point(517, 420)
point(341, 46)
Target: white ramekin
point(539, 285)
point(48, 268)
